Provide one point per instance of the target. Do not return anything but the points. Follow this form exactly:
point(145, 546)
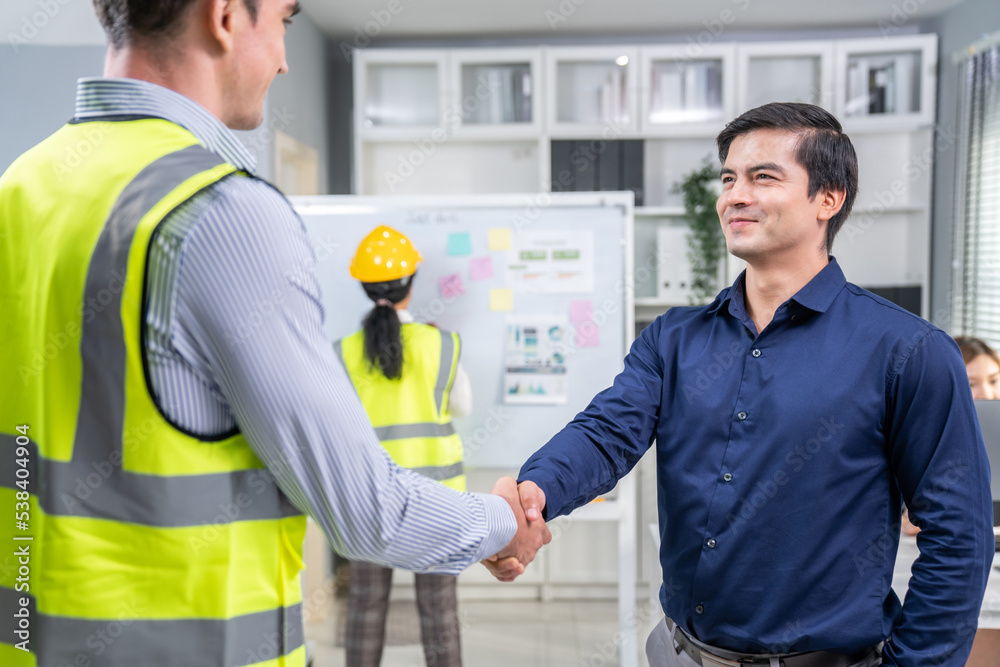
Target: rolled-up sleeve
point(249, 302)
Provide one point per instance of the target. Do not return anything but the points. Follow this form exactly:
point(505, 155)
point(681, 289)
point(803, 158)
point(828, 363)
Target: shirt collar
point(819, 293)
point(816, 295)
point(97, 97)
point(404, 316)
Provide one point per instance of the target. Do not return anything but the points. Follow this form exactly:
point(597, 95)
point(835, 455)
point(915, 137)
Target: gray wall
point(956, 29)
point(297, 101)
point(38, 84)
point(38, 90)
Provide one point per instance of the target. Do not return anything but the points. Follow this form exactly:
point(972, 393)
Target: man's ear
point(220, 22)
point(830, 203)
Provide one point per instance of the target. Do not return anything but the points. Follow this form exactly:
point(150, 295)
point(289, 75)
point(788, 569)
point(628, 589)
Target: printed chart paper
point(551, 262)
point(535, 360)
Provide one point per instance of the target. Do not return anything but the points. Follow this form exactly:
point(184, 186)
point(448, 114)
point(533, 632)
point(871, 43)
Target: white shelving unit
point(592, 92)
point(785, 71)
point(886, 83)
point(496, 93)
point(685, 96)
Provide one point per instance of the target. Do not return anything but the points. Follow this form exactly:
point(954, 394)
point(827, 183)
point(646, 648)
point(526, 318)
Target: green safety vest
point(149, 545)
point(410, 414)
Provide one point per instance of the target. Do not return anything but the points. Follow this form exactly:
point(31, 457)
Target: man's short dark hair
point(125, 21)
point(824, 151)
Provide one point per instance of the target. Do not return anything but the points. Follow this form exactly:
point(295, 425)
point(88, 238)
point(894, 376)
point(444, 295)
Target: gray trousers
point(661, 650)
point(368, 605)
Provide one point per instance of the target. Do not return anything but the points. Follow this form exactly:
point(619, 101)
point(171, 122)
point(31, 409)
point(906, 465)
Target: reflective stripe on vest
point(410, 414)
point(176, 549)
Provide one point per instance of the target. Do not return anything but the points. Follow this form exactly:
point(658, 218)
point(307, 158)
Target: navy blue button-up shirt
point(782, 458)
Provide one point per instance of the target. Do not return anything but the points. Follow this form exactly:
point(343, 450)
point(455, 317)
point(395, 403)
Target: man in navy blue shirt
point(791, 417)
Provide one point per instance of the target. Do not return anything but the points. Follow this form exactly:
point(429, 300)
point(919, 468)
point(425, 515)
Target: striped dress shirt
point(234, 342)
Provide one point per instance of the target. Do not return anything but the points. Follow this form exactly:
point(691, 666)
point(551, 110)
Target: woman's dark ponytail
point(383, 343)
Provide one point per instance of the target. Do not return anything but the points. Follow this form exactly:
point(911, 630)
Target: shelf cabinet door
point(591, 91)
point(686, 89)
point(496, 93)
point(884, 83)
point(785, 72)
point(399, 91)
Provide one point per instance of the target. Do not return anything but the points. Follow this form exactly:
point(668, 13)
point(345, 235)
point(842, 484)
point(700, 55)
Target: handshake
point(527, 502)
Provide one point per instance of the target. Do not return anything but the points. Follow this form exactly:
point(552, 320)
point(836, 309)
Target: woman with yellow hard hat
point(409, 380)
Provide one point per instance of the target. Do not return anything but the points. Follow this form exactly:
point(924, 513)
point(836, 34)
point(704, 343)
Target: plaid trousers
point(368, 604)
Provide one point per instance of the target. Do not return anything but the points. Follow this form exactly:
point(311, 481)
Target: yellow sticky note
point(500, 238)
point(501, 299)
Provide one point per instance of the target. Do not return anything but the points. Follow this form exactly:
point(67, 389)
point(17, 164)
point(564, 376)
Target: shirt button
point(700, 609)
point(756, 352)
point(741, 416)
point(711, 543)
point(728, 477)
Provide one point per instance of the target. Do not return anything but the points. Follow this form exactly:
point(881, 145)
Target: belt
point(711, 656)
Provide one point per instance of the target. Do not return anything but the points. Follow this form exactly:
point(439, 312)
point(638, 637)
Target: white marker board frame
point(495, 435)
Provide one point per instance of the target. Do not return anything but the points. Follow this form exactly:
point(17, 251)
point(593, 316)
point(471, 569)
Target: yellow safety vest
point(410, 414)
point(148, 545)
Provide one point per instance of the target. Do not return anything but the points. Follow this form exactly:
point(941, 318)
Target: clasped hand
point(527, 501)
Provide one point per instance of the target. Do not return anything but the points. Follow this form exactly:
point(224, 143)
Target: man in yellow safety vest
point(171, 410)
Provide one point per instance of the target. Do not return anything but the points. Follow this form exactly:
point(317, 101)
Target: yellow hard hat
point(384, 255)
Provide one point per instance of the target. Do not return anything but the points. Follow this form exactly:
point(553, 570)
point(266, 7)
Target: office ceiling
point(64, 22)
point(450, 19)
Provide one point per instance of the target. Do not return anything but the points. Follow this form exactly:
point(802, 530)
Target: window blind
point(976, 282)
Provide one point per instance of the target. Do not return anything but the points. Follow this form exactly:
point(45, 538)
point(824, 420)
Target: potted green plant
point(706, 244)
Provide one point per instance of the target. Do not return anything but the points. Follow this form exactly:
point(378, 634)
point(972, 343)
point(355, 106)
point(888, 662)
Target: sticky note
point(500, 238)
point(451, 286)
point(459, 243)
point(581, 311)
point(588, 334)
point(481, 268)
point(501, 299)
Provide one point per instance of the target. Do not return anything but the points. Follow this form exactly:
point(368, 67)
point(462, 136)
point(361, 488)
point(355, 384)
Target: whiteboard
point(496, 434)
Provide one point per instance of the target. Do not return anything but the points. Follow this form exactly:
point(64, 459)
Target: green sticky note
point(459, 243)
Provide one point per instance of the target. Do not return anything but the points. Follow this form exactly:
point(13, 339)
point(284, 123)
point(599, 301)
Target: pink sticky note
point(451, 286)
point(481, 268)
point(588, 334)
point(581, 311)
